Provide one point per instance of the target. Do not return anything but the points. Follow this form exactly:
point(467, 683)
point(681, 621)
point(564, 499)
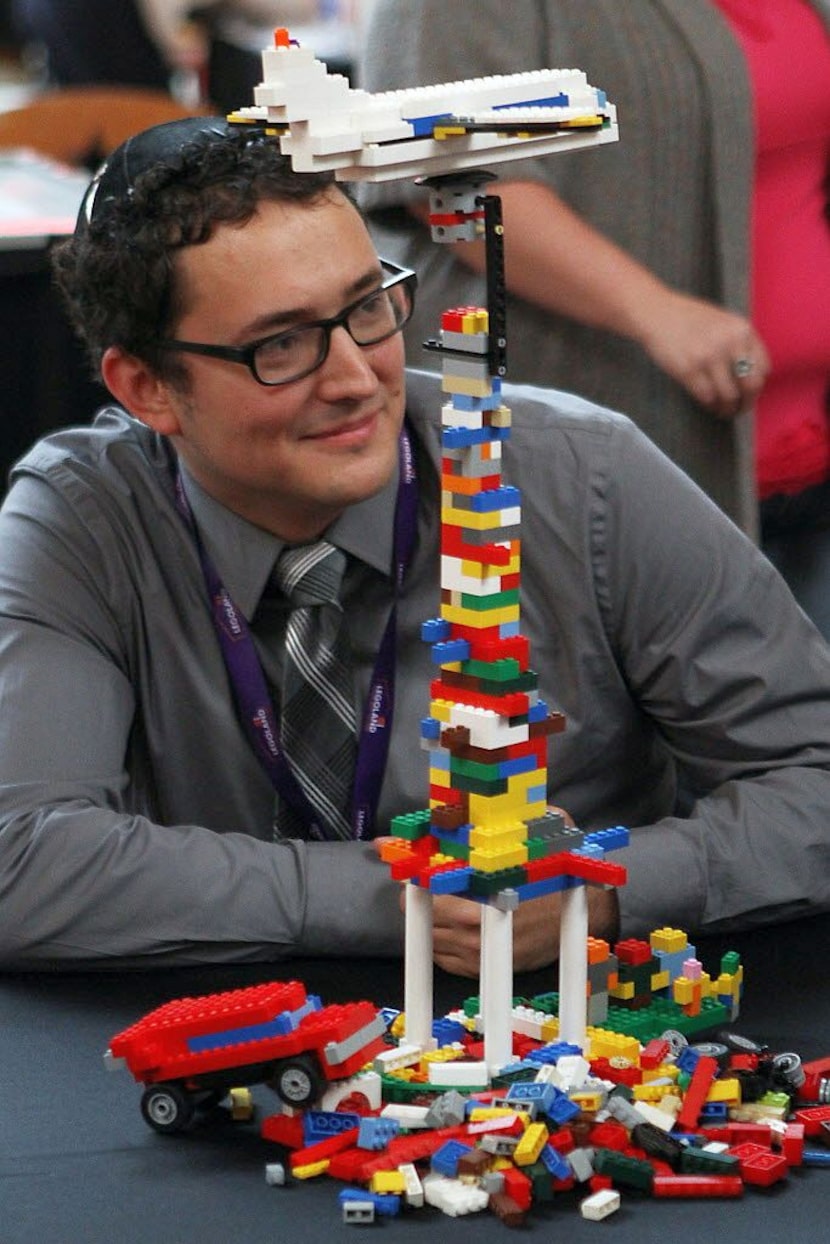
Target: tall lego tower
point(487, 834)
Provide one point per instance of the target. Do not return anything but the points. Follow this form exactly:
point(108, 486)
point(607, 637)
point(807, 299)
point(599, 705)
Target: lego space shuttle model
point(323, 123)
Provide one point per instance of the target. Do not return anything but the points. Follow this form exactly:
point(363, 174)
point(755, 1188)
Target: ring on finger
point(742, 367)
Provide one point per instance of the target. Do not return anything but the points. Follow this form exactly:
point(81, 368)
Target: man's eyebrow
point(296, 316)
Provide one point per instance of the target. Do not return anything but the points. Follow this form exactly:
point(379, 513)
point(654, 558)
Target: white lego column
point(418, 967)
point(496, 986)
point(573, 966)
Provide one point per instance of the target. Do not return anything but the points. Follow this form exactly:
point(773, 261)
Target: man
point(240, 315)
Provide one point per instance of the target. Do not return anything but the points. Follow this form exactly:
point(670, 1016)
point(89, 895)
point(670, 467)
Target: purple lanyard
point(250, 688)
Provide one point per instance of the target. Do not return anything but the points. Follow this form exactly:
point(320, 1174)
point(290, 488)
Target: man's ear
point(134, 384)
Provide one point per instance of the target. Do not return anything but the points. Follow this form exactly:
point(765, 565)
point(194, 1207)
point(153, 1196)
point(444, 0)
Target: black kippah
point(160, 145)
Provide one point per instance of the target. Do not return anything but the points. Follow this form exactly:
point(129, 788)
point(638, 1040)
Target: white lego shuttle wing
point(323, 123)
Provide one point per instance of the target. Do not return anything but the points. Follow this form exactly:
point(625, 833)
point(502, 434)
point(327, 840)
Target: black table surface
point(78, 1163)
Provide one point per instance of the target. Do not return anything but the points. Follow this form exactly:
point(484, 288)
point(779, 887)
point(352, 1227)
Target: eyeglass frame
point(247, 354)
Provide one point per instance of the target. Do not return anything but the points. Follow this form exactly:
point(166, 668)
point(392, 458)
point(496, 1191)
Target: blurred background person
point(632, 268)
point(201, 49)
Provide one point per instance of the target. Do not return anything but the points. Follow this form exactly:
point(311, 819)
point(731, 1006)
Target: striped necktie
point(318, 720)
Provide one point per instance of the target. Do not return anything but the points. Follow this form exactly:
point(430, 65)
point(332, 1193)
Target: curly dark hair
point(116, 273)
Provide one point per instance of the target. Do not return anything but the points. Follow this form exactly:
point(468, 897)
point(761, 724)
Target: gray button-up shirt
point(136, 823)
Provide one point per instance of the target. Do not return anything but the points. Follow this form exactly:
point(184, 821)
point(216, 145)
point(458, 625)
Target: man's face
point(288, 458)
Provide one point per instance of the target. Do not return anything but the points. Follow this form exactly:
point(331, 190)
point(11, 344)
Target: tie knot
point(311, 574)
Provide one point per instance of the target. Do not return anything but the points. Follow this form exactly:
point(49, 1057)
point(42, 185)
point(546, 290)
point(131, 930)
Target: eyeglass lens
point(292, 354)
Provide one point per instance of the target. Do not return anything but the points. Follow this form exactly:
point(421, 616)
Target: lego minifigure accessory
point(317, 720)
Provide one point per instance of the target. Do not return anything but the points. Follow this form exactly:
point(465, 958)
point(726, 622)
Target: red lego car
point(189, 1052)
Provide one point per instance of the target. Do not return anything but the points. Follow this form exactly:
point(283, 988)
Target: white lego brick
point(600, 1204)
point(414, 1192)
point(469, 1074)
point(410, 1117)
point(402, 1055)
point(452, 1196)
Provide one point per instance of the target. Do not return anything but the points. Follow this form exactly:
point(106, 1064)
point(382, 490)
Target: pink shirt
point(787, 49)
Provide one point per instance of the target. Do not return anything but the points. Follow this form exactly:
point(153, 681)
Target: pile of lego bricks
point(681, 1120)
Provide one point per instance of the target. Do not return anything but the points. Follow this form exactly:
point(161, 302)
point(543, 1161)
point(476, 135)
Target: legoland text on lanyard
point(250, 688)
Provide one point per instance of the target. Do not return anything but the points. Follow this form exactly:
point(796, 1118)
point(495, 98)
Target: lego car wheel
point(166, 1107)
point(297, 1082)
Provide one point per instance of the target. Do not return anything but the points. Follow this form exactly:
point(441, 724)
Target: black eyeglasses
point(295, 353)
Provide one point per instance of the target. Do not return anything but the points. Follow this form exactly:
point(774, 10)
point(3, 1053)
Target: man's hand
point(536, 928)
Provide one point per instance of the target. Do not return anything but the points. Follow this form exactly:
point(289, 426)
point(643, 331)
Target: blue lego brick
point(445, 1160)
point(454, 837)
point(423, 126)
point(687, 1060)
point(538, 711)
point(323, 1124)
point(430, 728)
point(548, 885)
point(466, 402)
point(610, 839)
point(451, 650)
point(435, 630)
point(454, 438)
point(508, 630)
point(555, 1163)
point(440, 760)
point(537, 794)
point(532, 1094)
point(521, 764)
point(495, 499)
point(816, 1157)
point(446, 1031)
point(551, 101)
point(375, 1133)
point(453, 881)
point(280, 1026)
point(389, 1014)
point(387, 1204)
point(713, 1112)
point(552, 1052)
point(562, 1109)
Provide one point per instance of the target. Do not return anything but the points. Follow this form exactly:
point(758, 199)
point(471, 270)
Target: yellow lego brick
point(311, 1169)
point(660, 980)
point(495, 837)
point(242, 1104)
point(476, 320)
point(493, 861)
point(480, 618)
point(625, 990)
point(530, 1144)
point(588, 1100)
point(602, 1043)
point(440, 709)
point(485, 570)
point(501, 418)
point(668, 940)
point(388, 1181)
point(728, 1090)
point(439, 777)
point(482, 1114)
point(666, 1071)
point(494, 809)
point(652, 1092)
point(474, 520)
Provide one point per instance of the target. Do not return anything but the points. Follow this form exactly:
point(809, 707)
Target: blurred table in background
point(44, 377)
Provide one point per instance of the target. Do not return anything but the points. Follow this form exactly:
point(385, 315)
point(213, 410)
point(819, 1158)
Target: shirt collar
point(244, 555)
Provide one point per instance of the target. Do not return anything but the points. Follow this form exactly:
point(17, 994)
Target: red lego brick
point(696, 1093)
point(697, 1186)
point(759, 1166)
